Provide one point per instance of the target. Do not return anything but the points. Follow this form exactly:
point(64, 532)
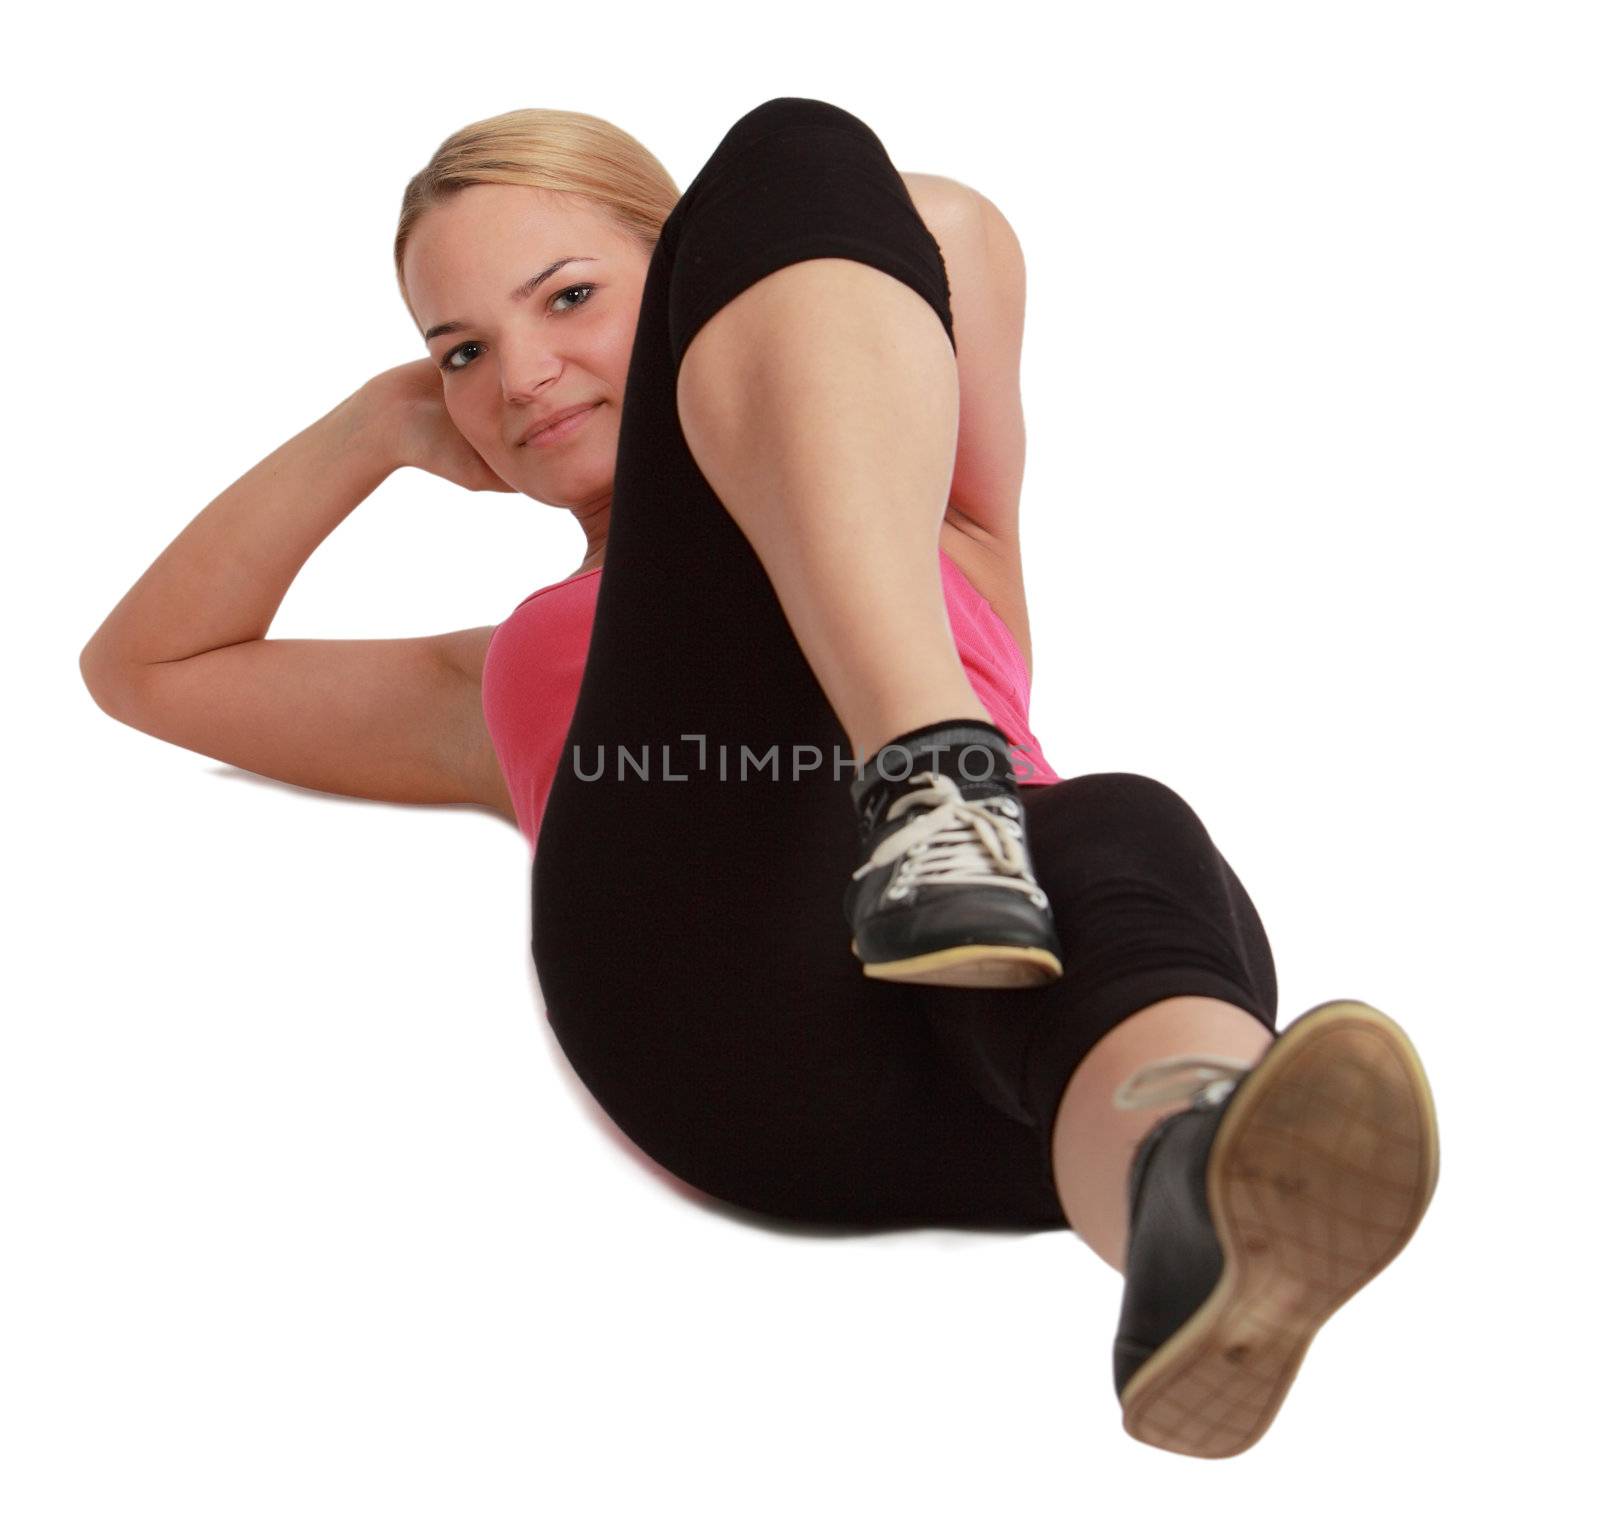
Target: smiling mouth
point(551, 431)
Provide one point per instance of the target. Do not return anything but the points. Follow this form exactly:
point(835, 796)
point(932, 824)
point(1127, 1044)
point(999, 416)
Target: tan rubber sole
point(973, 964)
point(1320, 1171)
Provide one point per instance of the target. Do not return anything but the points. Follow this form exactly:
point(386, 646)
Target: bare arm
point(184, 654)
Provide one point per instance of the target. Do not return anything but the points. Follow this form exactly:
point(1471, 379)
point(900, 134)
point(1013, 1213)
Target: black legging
point(688, 932)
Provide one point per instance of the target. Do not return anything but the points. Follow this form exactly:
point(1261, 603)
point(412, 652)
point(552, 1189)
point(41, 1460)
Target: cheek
point(620, 351)
point(474, 416)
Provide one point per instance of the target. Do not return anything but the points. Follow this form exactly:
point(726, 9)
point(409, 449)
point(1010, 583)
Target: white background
point(304, 1211)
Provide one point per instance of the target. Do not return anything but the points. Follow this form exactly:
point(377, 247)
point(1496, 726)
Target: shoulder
point(937, 195)
point(966, 215)
point(988, 298)
point(983, 261)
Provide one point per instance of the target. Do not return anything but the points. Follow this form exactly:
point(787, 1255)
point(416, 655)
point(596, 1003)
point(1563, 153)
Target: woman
point(795, 662)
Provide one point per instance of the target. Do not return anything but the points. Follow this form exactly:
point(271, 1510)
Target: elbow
point(92, 663)
point(91, 670)
point(105, 679)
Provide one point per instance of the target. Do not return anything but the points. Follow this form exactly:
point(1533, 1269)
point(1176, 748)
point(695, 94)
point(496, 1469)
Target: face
point(512, 356)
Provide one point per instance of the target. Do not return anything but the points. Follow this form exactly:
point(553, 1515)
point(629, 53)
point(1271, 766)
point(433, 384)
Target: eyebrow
point(522, 291)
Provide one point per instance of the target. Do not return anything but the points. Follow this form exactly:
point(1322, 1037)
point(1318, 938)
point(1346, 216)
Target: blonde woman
point(790, 676)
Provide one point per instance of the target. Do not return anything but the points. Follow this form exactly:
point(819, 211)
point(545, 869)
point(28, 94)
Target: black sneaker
point(945, 894)
point(1283, 1189)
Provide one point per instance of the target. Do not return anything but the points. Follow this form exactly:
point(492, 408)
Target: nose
point(526, 372)
point(522, 388)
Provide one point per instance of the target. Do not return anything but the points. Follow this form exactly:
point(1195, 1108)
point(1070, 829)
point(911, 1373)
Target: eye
point(447, 362)
point(573, 290)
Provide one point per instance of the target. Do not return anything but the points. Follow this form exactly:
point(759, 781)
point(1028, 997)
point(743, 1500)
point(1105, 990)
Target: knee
point(1098, 819)
point(791, 180)
point(784, 153)
point(1137, 795)
point(1122, 796)
point(797, 114)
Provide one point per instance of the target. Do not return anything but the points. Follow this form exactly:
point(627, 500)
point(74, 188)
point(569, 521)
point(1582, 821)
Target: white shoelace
point(1204, 1079)
point(955, 842)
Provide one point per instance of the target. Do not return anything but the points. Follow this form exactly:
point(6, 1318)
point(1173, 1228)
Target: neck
point(596, 524)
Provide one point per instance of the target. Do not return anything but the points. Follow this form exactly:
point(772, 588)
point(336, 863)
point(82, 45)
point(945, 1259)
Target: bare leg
point(821, 405)
point(1093, 1142)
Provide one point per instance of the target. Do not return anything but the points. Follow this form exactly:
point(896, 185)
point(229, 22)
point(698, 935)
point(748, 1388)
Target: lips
point(550, 421)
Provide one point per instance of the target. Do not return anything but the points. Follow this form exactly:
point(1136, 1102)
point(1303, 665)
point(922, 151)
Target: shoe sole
point(1320, 1171)
point(978, 965)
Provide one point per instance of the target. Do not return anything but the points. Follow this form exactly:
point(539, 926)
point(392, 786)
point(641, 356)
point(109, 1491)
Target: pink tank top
point(535, 658)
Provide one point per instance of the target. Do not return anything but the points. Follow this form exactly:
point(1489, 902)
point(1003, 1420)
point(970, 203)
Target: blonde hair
point(565, 151)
